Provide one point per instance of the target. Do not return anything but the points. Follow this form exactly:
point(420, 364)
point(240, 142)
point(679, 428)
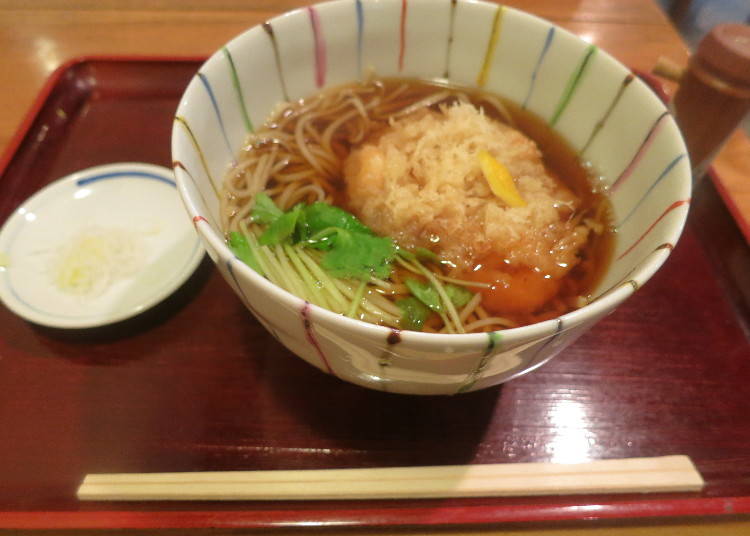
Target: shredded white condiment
point(95, 258)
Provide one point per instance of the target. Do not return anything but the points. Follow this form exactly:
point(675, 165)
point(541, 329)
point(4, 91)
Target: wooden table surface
point(37, 37)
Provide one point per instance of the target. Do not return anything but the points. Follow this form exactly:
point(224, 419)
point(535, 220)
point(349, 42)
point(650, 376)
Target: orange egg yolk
point(513, 290)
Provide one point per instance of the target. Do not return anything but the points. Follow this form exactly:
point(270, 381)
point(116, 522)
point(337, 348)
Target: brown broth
point(564, 163)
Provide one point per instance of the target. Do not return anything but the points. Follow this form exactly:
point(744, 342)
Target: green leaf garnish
point(414, 313)
point(459, 296)
point(322, 239)
point(426, 293)
point(281, 229)
point(265, 210)
point(241, 248)
point(357, 255)
point(320, 216)
point(352, 250)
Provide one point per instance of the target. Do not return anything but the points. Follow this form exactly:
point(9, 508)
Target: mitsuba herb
point(352, 249)
point(241, 248)
point(348, 250)
point(414, 313)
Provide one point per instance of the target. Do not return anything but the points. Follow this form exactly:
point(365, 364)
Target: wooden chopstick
point(630, 475)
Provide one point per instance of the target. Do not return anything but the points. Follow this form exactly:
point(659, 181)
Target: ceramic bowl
point(609, 116)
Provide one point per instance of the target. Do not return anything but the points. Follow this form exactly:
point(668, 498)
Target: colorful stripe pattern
point(642, 150)
point(360, 34)
point(319, 54)
point(449, 47)
point(237, 89)
point(277, 58)
point(402, 36)
point(539, 61)
point(183, 122)
point(384, 360)
point(310, 335)
point(493, 340)
point(489, 55)
point(600, 124)
point(320, 48)
point(670, 208)
point(176, 164)
point(627, 280)
point(542, 347)
point(215, 105)
point(660, 178)
point(573, 81)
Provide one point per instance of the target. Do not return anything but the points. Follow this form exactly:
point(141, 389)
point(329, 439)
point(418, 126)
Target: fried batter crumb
point(420, 182)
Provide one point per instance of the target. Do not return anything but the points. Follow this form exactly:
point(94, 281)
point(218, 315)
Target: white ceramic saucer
point(81, 216)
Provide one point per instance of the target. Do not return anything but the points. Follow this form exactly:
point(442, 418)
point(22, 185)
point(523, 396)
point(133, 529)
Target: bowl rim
point(606, 302)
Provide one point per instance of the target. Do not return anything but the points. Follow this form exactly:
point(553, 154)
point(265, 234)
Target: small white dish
point(96, 247)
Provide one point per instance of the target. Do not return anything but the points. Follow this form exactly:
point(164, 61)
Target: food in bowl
point(419, 205)
point(608, 116)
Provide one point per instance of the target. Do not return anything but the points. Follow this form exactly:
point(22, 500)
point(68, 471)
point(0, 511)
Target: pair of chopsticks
point(630, 475)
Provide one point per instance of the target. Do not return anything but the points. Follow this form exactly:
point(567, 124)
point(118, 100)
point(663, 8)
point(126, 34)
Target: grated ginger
point(95, 258)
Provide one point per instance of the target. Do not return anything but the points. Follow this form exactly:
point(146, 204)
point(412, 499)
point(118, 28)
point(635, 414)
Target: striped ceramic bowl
point(611, 118)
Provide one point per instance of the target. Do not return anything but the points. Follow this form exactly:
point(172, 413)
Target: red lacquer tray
point(197, 384)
